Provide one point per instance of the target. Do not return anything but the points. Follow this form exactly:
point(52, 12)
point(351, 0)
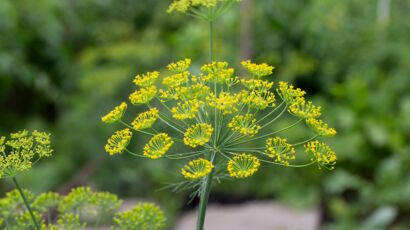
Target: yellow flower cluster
point(218, 72)
point(18, 153)
point(243, 165)
point(196, 169)
point(118, 142)
point(289, 94)
point(179, 66)
point(321, 153)
point(176, 79)
point(116, 114)
point(184, 5)
point(143, 95)
point(257, 84)
point(185, 110)
point(320, 127)
point(258, 100)
point(245, 125)
point(225, 102)
point(198, 135)
point(145, 119)
point(257, 70)
point(303, 109)
point(147, 79)
point(196, 91)
point(158, 145)
point(279, 149)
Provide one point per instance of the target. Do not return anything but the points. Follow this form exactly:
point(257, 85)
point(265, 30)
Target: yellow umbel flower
point(146, 119)
point(279, 149)
point(245, 125)
point(303, 109)
point(158, 145)
point(118, 142)
point(185, 110)
point(176, 79)
point(320, 127)
point(243, 165)
point(258, 99)
point(196, 91)
point(257, 84)
point(198, 135)
point(179, 5)
point(217, 72)
point(321, 153)
point(225, 102)
point(289, 94)
point(143, 95)
point(196, 169)
point(257, 70)
point(180, 66)
point(147, 79)
point(116, 114)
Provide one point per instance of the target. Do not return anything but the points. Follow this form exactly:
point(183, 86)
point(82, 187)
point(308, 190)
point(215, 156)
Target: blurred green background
point(65, 63)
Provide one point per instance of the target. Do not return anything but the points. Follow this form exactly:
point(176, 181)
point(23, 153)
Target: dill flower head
point(257, 84)
point(185, 5)
point(176, 79)
point(118, 142)
point(320, 127)
point(303, 109)
point(197, 91)
point(289, 93)
point(196, 169)
point(245, 125)
point(143, 95)
point(146, 119)
point(158, 145)
point(144, 216)
point(226, 102)
point(19, 152)
point(243, 165)
point(198, 135)
point(185, 110)
point(257, 70)
point(146, 80)
point(321, 153)
point(279, 149)
point(116, 114)
point(258, 99)
point(179, 66)
point(217, 72)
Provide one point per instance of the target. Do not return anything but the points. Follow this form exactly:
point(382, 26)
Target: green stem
point(33, 218)
point(206, 190)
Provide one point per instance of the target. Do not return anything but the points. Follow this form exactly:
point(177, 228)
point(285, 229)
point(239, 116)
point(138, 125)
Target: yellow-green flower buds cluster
point(226, 102)
point(184, 5)
point(217, 72)
point(196, 169)
point(243, 165)
point(158, 145)
point(257, 84)
point(303, 109)
point(289, 94)
point(257, 70)
point(21, 150)
point(245, 125)
point(179, 66)
point(116, 114)
point(144, 216)
point(146, 80)
point(258, 100)
point(176, 80)
point(118, 142)
point(143, 95)
point(320, 127)
point(198, 135)
point(321, 153)
point(185, 110)
point(145, 119)
point(279, 149)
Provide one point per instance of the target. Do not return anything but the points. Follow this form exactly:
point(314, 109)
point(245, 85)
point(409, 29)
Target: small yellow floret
point(118, 142)
point(176, 79)
point(158, 145)
point(257, 70)
point(280, 150)
point(147, 79)
point(243, 165)
point(257, 84)
point(116, 114)
point(320, 127)
point(179, 66)
point(196, 169)
point(146, 119)
point(143, 95)
point(226, 102)
point(321, 153)
point(289, 94)
point(217, 72)
point(245, 125)
point(304, 109)
point(198, 135)
point(258, 99)
point(185, 110)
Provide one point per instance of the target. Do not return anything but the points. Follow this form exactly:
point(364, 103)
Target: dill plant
point(218, 117)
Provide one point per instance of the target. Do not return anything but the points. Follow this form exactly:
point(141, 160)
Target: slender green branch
point(137, 130)
point(33, 218)
point(134, 154)
point(271, 112)
point(305, 141)
point(274, 119)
